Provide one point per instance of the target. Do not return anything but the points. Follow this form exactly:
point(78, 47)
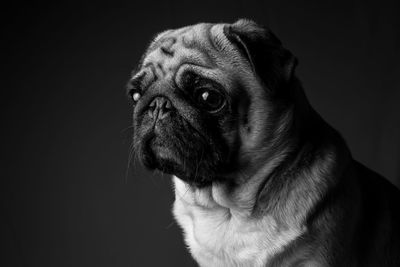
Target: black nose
point(159, 108)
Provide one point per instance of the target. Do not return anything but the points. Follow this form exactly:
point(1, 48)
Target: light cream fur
point(219, 233)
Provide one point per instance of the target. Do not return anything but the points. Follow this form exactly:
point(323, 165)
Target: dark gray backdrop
point(64, 197)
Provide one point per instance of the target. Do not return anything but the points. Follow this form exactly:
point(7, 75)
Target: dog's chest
point(218, 237)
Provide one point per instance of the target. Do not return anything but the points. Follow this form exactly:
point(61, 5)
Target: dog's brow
point(143, 78)
point(135, 83)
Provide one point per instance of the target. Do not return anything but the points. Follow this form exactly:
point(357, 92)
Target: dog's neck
point(315, 157)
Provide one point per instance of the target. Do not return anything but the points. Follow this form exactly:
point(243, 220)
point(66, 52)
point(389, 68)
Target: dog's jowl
point(260, 178)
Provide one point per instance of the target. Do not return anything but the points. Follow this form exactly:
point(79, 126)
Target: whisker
point(126, 129)
point(131, 153)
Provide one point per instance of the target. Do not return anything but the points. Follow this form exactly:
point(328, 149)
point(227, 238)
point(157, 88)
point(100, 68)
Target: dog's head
point(209, 100)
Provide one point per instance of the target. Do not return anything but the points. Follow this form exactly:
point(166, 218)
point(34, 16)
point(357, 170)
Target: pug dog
point(260, 178)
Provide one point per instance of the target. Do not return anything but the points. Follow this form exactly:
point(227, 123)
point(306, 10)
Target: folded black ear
point(270, 61)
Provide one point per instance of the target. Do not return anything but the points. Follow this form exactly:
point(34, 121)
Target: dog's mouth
point(158, 154)
point(163, 154)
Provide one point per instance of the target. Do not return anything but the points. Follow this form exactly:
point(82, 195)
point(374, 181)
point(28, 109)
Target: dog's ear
point(271, 62)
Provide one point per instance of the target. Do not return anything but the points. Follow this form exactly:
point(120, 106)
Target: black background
point(65, 199)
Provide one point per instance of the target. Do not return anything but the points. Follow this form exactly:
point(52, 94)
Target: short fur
point(263, 180)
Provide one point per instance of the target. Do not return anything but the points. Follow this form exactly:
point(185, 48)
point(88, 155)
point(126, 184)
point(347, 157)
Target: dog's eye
point(136, 96)
point(209, 99)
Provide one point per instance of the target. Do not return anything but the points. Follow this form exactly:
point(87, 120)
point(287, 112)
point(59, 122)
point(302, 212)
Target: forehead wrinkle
point(159, 44)
point(165, 66)
point(200, 56)
point(217, 36)
point(211, 41)
point(228, 56)
point(220, 39)
point(198, 40)
point(144, 78)
point(160, 38)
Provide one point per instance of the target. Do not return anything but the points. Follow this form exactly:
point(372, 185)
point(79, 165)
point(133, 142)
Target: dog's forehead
point(200, 36)
point(201, 45)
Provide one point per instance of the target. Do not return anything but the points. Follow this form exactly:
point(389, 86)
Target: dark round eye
point(209, 99)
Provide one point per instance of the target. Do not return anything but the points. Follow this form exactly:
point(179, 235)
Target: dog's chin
point(168, 161)
point(161, 158)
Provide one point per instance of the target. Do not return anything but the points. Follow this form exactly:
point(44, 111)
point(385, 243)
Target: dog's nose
point(159, 108)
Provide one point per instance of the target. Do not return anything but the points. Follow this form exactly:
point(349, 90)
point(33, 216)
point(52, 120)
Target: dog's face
point(208, 100)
